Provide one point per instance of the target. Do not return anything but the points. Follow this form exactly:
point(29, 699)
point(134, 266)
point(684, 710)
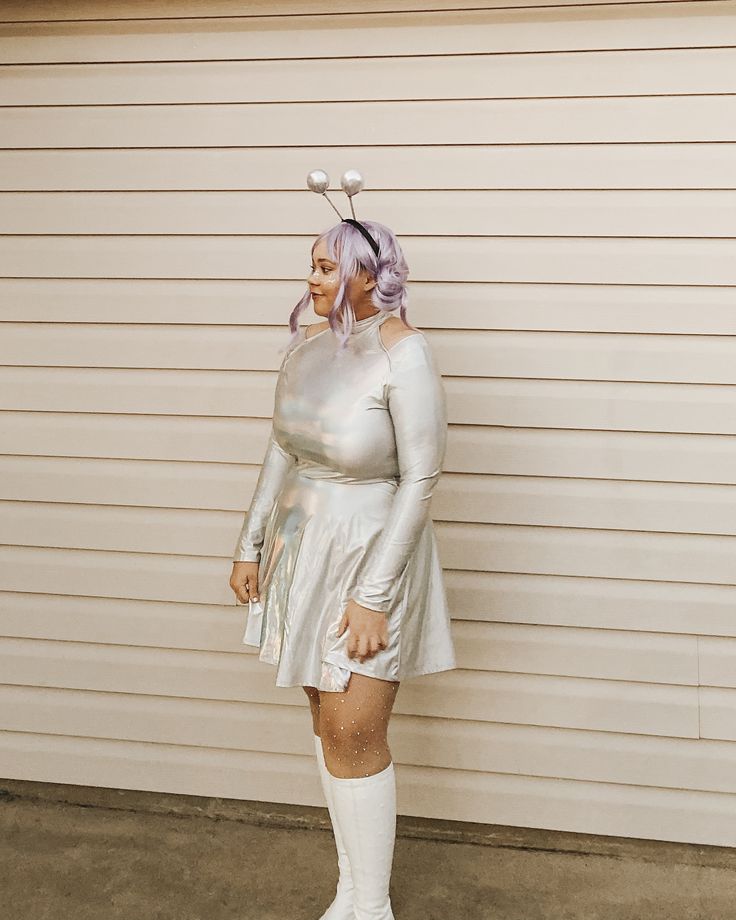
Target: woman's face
point(323, 283)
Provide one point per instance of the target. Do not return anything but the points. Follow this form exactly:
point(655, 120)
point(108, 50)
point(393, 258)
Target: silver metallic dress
point(341, 509)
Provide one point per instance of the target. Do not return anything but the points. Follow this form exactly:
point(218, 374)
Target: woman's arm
point(276, 464)
point(417, 403)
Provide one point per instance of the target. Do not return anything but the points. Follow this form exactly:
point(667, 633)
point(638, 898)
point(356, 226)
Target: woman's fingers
point(244, 581)
point(365, 645)
point(252, 587)
point(242, 592)
point(368, 631)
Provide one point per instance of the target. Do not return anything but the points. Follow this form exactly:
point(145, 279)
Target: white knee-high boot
point(342, 906)
point(365, 807)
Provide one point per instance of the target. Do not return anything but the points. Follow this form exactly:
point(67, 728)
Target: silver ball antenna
point(318, 181)
point(352, 182)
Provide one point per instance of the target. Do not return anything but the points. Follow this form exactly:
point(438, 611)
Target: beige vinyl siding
point(560, 176)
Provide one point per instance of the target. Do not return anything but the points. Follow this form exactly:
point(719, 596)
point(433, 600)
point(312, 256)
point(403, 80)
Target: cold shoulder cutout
point(315, 329)
point(393, 331)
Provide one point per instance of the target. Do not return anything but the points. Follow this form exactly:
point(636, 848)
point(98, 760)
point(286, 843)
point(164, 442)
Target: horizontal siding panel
point(481, 547)
point(449, 744)
point(598, 504)
point(98, 574)
point(592, 454)
point(522, 649)
point(568, 355)
point(556, 651)
point(199, 723)
point(589, 553)
point(511, 213)
point(585, 807)
point(571, 308)
point(125, 621)
point(185, 589)
point(237, 677)
point(522, 121)
point(696, 165)
point(606, 705)
point(401, 33)
point(604, 603)
point(530, 260)
point(617, 406)
point(216, 393)
point(471, 448)
point(577, 404)
point(159, 483)
point(644, 72)
point(64, 10)
point(595, 504)
point(718, 713)
point(717, 662)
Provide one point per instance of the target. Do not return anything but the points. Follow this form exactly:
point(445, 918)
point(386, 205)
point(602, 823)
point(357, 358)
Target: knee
point(347, 738)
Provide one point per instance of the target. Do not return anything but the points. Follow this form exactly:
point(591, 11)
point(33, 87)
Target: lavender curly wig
point(347, 246)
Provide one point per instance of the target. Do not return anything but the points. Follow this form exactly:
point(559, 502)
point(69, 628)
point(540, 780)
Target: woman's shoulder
point(302, 334)
point(394, 330)
point(409, 354)
point(315, 328)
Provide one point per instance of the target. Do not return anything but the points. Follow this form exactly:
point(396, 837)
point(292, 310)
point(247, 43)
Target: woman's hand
point(368, 630)
point(244, 581)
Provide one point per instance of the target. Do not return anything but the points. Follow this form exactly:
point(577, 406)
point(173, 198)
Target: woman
point(338, 541)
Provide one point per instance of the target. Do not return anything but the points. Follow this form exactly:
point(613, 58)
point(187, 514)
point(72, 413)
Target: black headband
point(366, 234)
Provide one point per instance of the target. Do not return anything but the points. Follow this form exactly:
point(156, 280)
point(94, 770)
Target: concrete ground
point(103, 854)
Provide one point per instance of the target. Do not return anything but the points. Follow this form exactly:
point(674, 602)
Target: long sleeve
point(417, 405)
point(276, 464)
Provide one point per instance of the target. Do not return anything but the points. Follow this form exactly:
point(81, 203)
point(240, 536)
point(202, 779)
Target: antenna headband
point(352, 182)
point(366, 234)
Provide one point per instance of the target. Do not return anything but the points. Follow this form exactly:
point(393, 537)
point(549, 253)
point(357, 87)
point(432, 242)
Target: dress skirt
point(316, 539)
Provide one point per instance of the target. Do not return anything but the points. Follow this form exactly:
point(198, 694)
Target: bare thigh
point(354, 726)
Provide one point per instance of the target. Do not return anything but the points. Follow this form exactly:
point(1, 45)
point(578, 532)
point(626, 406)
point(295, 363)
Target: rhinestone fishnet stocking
point(353, 725)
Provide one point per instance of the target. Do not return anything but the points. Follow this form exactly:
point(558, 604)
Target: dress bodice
point(331, 406)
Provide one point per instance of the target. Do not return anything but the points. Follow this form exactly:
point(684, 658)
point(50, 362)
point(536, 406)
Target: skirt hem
point(433, 669)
